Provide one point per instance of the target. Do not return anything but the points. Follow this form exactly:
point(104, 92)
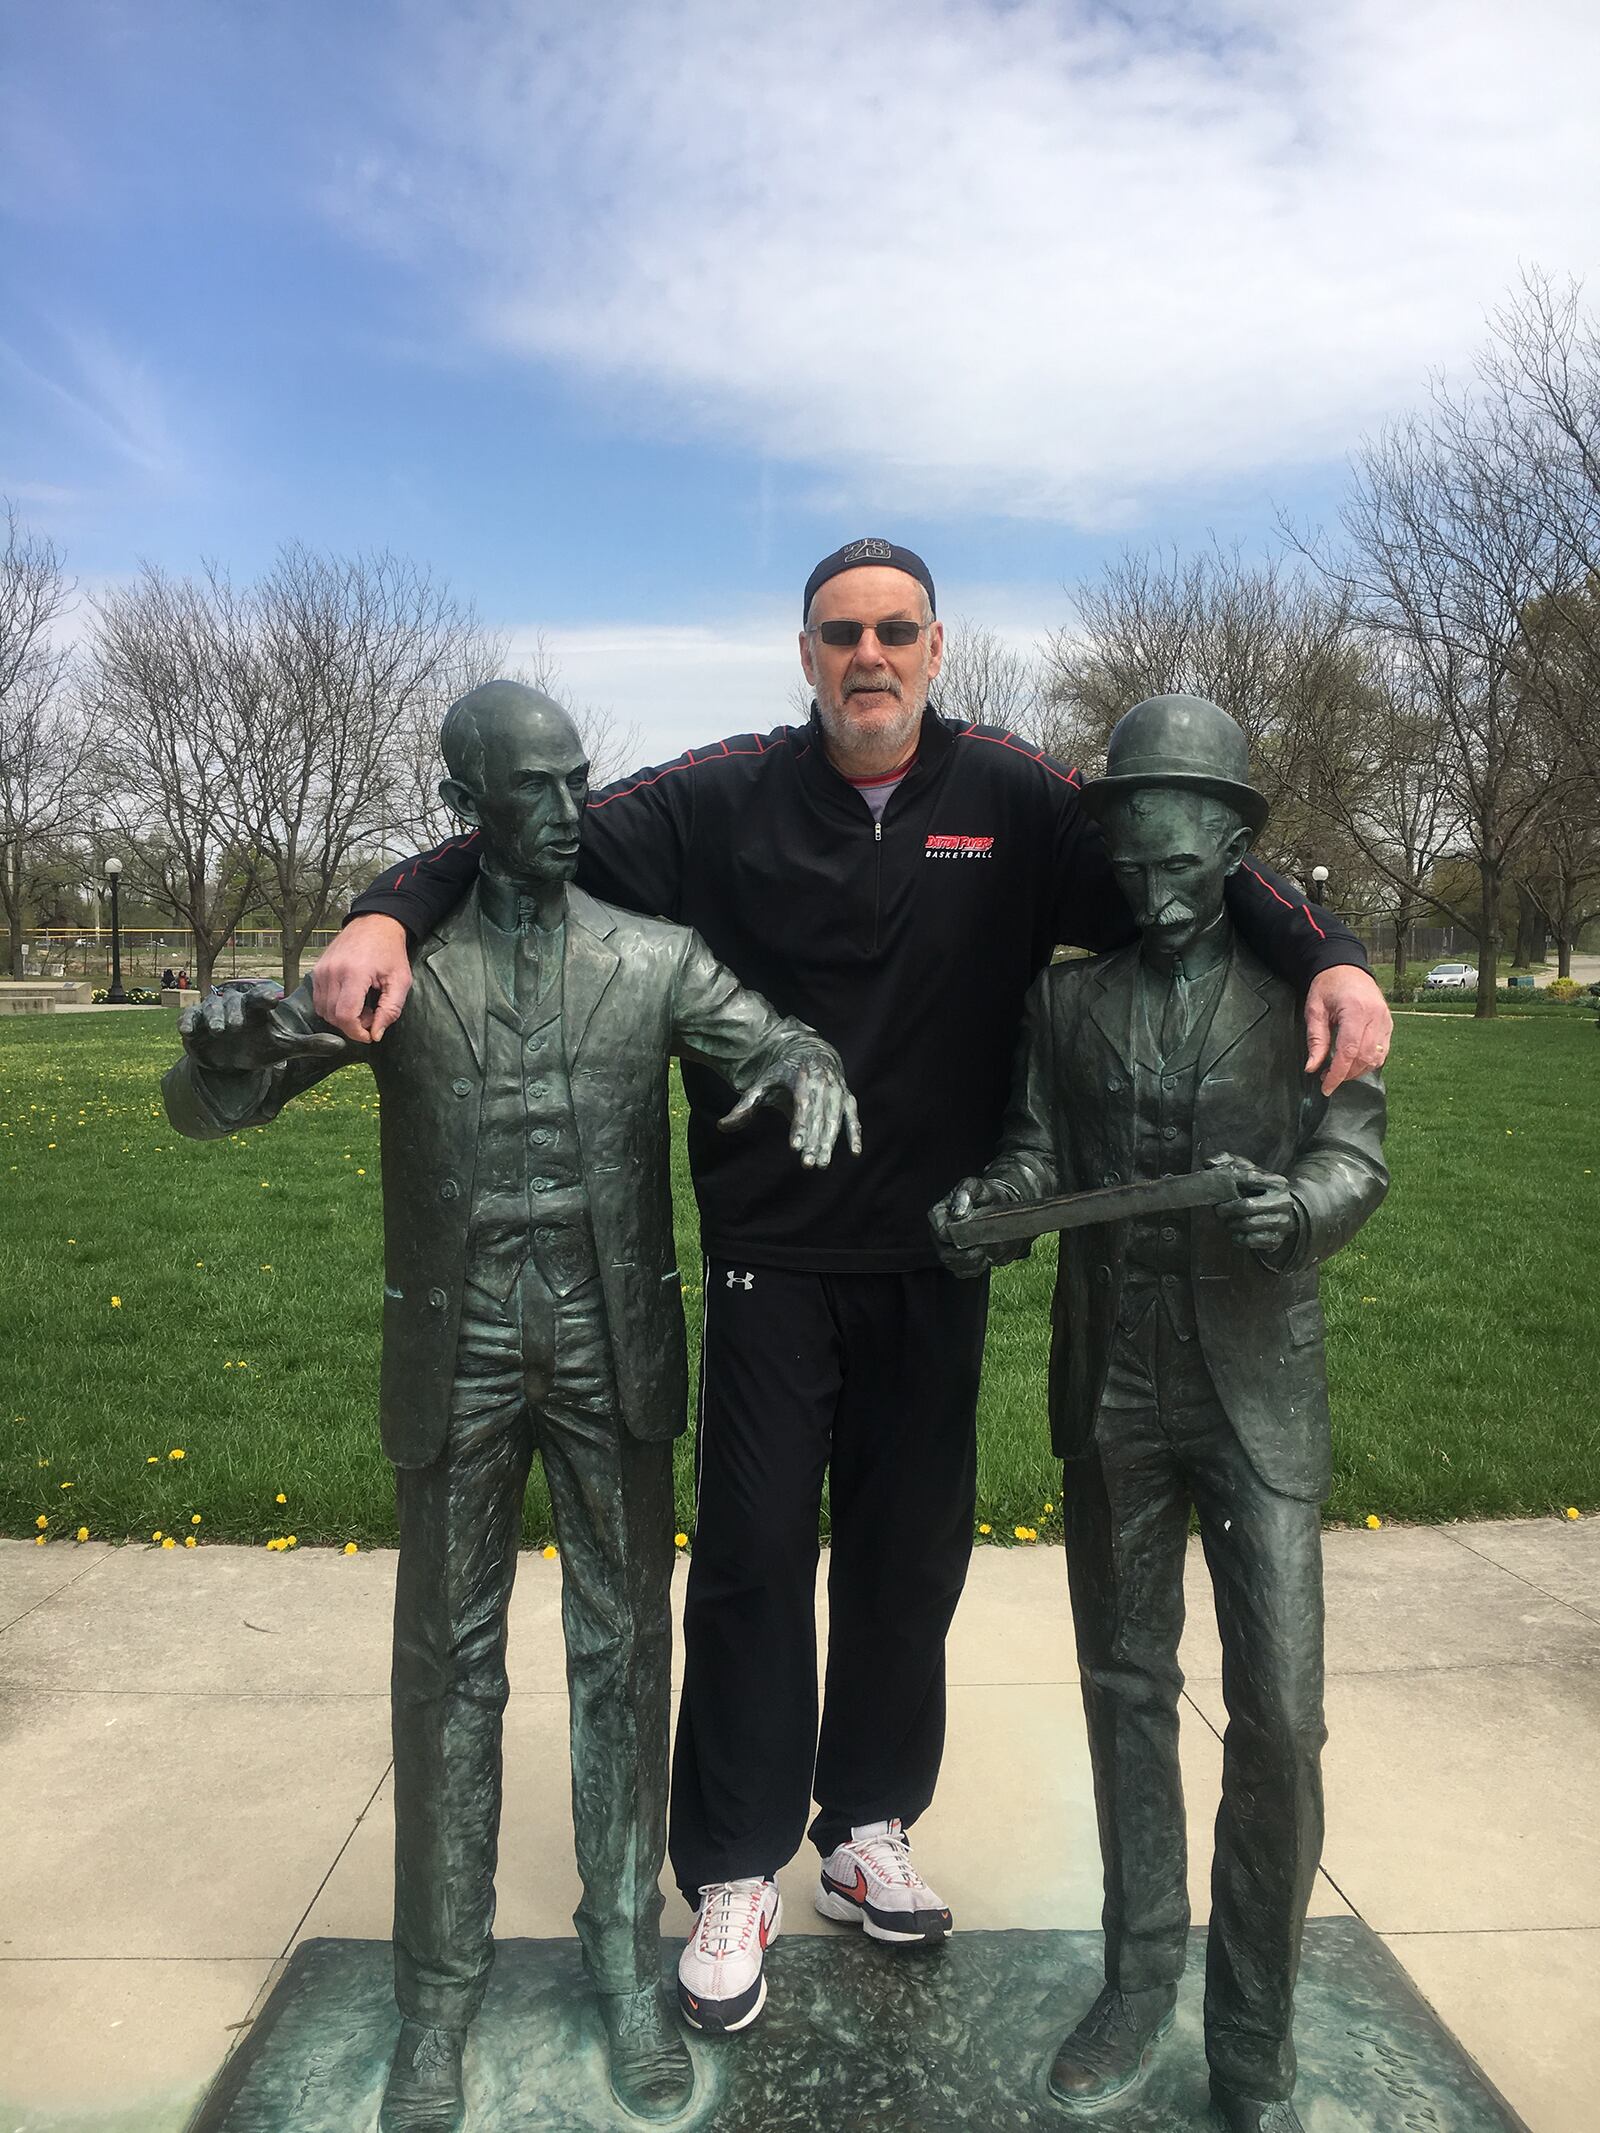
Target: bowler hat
point(1182, 741)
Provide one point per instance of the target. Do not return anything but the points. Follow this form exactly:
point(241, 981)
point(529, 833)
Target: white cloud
point(1030, 258)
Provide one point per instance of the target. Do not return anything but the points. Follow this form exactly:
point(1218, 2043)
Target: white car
point(1458, 975)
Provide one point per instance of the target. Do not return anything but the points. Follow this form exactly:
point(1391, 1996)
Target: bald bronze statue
point(1186, 1373)
point(531, 1300)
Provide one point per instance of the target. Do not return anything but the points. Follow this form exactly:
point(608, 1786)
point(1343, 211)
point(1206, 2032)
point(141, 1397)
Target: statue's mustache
point(1174, 912)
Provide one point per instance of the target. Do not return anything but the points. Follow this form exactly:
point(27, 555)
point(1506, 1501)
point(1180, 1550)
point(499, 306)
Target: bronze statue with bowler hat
point(1186, 1373)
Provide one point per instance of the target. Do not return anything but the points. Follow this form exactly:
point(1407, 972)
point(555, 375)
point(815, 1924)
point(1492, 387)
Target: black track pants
point(874, 1379)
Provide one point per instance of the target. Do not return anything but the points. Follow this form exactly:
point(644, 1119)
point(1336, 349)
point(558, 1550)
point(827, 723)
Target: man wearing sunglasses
point(897, 881)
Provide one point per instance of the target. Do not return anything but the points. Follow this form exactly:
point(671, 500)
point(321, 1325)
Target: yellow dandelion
point(195, 1519)
point(1573, 1511)
point(152, 1460)
point(156, 1535)
point(83, 1533)
point(267, 1269)
point(176, 1452)
point(41, 1521)
point(169, 1542)
point(360, 1173)
point(1020, 1532)
point(1049, 1507)
point(350, 1548)
point(189, 1540)
point(549, 1554)
point(67, 1484)
point(1374, 1521)
point(986, 1529)
point(227, 1366)
point(280, 1497)
point(39, 1539)
point(291, 1542)
point(199, 1262)
point(116, 1303)
point(680, 1540)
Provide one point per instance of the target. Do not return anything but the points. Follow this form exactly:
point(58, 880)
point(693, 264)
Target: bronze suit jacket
point(634, 992)
point(1070, 1129)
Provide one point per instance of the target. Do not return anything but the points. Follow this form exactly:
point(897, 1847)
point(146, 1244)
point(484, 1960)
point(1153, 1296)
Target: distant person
point(167, 981)
point(897, 880)
point(183, 981)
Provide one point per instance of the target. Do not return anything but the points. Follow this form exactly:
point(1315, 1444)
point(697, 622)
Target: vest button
point(1168, 1235)
point(449, 1190)
point(540, 1137)
point(1169, 1133)
point(536, 1043)
point(1169, 1081)
point(438, 1299)
point(1113, 1088)
point(461, 1085)
point(1102, 1274)
point(544, 1184)
point(544, 1236)
point(538, 1090)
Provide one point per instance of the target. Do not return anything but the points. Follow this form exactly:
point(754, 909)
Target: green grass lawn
point(222, 1300)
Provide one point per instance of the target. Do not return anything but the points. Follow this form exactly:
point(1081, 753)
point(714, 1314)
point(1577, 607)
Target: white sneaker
point(720, 1985)
point(871, 1881)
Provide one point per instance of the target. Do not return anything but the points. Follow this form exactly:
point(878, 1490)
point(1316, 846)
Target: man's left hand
point(811, 1087)
point(1346, 1009)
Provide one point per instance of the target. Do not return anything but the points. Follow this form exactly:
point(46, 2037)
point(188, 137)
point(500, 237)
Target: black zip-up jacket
point(909, 944)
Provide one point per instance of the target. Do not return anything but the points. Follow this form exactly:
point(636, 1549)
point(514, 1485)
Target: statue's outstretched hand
point(970, 1197)
point(811, 1087)
point(241, 1032)
point(1263, 1217)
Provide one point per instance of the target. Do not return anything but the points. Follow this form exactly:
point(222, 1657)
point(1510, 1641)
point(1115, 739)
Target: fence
point(61, 951)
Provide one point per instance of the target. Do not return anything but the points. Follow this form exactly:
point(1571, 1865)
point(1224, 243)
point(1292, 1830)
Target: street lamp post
point(1319, 884)
point(115, 996)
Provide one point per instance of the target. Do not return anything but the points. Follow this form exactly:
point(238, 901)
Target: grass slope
point(222, 1301)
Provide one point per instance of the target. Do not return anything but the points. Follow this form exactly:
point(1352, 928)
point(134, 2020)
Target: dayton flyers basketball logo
point(958, 848)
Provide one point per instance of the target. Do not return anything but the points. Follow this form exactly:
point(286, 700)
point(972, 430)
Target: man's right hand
point(968, 1198)
point(360, 981)
point(242, 1032)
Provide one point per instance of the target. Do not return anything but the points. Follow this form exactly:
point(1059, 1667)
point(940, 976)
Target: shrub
point(1563, 989)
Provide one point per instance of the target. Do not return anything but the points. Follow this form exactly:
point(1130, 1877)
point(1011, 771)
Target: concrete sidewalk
point(196, 1777)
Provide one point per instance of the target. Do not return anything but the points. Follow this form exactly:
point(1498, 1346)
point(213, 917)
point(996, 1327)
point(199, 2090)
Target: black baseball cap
point(863, 554)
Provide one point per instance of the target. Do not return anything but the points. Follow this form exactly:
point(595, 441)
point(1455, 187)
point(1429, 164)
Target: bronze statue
point(1186, 1372)
point(530, 1299)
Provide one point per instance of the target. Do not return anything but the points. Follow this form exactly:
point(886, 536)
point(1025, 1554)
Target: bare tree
point(1448, 552)
point(42, 735)
point(984, 681)
point(337, 656)
point(174, 692)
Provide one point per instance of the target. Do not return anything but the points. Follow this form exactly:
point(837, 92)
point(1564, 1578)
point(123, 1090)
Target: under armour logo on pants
point(740, 1281)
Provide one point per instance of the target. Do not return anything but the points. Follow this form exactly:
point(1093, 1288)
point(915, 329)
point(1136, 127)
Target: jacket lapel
point(1239, 1010)
point(454, 954)
point(589, 966)
point(1111, 1006)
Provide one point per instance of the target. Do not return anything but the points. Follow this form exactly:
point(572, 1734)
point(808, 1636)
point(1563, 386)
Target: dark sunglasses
point(895, 633)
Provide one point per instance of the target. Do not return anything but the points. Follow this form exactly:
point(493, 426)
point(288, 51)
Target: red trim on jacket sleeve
point(1303, 909)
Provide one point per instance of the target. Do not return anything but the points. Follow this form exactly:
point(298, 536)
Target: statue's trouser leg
point(1125, 1509)
point(879, 1374)
point(1265, 1557)
point(460, 1521)
point(612, 1498)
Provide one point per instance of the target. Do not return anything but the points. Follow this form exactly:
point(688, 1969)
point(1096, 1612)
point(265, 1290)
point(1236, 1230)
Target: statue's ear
point(460, 799)
point(1238, 844)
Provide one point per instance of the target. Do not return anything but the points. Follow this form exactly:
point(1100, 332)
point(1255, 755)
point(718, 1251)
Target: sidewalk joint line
point(45, 1598)
point(338, 1855)
point(1560, 1599)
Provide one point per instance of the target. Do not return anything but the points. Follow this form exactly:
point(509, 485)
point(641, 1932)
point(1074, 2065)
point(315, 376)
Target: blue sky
point(621, 315)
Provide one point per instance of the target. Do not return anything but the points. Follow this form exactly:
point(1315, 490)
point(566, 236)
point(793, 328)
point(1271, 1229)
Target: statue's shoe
point(652, 2074)
point(1111, 2047)
point(424, 2092)
point(1241, 2114)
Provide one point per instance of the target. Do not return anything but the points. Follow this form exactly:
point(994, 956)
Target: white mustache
point(887, 686)
point(1175, 912)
